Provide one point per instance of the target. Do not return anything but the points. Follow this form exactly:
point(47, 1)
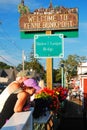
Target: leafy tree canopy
point(4, 66)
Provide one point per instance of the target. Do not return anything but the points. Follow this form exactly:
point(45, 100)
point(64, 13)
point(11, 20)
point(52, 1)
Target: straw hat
point(26, 73)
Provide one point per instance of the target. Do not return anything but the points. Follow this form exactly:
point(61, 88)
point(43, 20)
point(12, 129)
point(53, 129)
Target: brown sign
point(52, 19)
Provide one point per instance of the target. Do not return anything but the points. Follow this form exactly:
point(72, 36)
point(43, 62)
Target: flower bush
point(49, 100)
point(62, 93)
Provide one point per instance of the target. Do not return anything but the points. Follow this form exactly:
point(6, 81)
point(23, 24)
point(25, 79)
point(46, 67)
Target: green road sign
point(49, 46)
point(66, 33)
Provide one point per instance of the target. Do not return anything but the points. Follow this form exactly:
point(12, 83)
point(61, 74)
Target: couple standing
point(16, 96)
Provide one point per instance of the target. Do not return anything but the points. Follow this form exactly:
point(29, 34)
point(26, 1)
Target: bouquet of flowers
point(49, 100)
point(46, 100)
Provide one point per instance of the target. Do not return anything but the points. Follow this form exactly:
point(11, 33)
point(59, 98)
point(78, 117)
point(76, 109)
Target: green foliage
point(56, 76)
point(22, 9)
point(70, 67)
point(4, 66)
point(19, 67)
point(71, 63)
point(35, 66)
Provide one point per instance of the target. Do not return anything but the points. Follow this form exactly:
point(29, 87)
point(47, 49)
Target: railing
point(20, 121)
point(25, 121)
point(44, 122)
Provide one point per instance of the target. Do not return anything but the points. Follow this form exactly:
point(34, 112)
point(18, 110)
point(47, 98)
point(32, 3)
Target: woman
point(15, 86)
point(17, 101)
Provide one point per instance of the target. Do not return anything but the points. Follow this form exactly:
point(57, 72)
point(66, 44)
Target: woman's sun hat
point(32, 83)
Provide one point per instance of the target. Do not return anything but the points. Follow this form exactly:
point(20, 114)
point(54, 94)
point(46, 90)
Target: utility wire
point(7, 36)
point(9, 52)
point(7, 60)
point(4, 45)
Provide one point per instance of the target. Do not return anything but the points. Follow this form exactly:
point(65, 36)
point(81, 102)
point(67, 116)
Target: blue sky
point(11, 45)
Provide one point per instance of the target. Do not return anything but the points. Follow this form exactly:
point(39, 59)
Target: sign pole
point(23, 60)
point(62, 74)
point(49, 68)
point(62, 77)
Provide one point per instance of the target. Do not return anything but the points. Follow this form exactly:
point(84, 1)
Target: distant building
point(82, 68)
point(7, 76)
point(82, 76)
